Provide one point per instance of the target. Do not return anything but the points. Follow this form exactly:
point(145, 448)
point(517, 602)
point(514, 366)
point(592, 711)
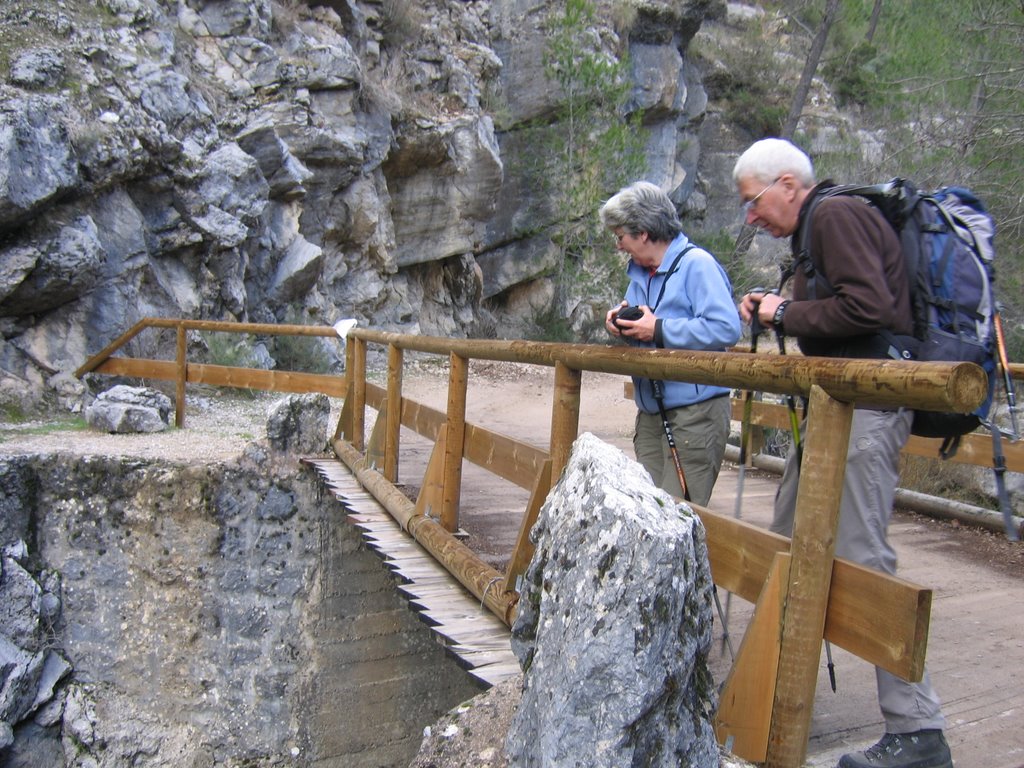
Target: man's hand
point(761, 302)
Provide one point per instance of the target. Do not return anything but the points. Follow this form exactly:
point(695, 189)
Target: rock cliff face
point(271, 161)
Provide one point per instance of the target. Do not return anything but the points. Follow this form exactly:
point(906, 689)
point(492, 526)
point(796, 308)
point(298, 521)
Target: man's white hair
point(767, 159)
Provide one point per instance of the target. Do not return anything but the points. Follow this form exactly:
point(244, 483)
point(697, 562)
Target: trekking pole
point(1004, 364)
point(659, 396)
point(724, 619)
point(748, 406)
point(831, 666)
point(998, 459)
point(999, 469)
point(794, 419)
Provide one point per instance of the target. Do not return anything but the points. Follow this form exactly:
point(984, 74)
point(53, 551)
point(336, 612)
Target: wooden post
point(344, 428)
point(182, 376)
point(810, 575)
point(565, 417)
point(358, 413)
point(458, 379)
point(393, 413)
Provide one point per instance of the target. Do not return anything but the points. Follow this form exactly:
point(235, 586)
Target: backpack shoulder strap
point(889, 197)
point(802, 253)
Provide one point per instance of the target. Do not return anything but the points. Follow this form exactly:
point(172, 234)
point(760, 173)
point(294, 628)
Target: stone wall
point(214, 616)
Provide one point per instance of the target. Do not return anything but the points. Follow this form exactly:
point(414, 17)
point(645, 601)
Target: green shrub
point(230, 349)
point(306, 354)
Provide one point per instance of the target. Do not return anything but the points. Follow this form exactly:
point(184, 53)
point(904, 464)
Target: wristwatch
point(779, 312)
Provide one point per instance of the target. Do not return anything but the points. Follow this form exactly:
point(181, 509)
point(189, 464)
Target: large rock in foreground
point(614, 624)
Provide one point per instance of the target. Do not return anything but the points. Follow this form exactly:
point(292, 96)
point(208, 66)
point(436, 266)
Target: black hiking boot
point(920, 749)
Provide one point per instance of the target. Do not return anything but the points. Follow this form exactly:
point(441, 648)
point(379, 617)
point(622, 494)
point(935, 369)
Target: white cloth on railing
point(342, 327)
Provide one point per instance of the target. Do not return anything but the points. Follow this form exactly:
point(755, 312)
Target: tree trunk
point(746, 235)
point(810, 67)
point(876, 13)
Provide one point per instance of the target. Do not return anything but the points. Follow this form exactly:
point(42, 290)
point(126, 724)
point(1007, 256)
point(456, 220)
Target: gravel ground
point(217, 428)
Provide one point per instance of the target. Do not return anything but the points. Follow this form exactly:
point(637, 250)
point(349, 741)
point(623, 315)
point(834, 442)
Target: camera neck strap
point(672, 270)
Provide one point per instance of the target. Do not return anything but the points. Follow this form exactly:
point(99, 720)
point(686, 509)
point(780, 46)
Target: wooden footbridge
point(801, 593)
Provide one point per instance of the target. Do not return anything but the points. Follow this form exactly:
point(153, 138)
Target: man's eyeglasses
point(619, 237)
point(751, 204)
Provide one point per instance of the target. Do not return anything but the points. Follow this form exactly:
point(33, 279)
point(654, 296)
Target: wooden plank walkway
point(473, 635)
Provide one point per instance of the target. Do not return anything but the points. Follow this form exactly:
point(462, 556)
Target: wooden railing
point(183, 372)
point(805, 591)
point(802, 593)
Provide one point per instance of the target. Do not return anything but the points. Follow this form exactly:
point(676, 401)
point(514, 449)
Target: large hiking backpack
point(947, 241)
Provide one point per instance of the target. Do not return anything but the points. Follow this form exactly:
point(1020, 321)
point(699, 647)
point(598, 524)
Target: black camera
point(628, 313)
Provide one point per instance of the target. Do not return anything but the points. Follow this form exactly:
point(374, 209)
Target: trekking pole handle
point(756, 326)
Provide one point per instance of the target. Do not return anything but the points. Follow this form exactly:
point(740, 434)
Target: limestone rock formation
point(298, 423)
point(201, 614)
point(29, 668)
point(619, 595)
point(264, 160)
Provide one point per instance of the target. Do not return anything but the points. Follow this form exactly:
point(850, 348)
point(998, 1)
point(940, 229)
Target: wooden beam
point(357, 375)
point(393, 411)
point(744, 716)
point(892, 635)
point(958, 387)
point(140, 368)
point(879, 618)
point(522, 553)
point(271, 381)
point(181, 374)
point(429, 499)
point(508, 458)
point(375, 447)
point(565, 416)
point(93, 363)
point(225, 376)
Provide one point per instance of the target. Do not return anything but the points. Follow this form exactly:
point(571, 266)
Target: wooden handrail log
point(96, 360)
point(483, 581)
point(269, 329)
point(958, 387)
